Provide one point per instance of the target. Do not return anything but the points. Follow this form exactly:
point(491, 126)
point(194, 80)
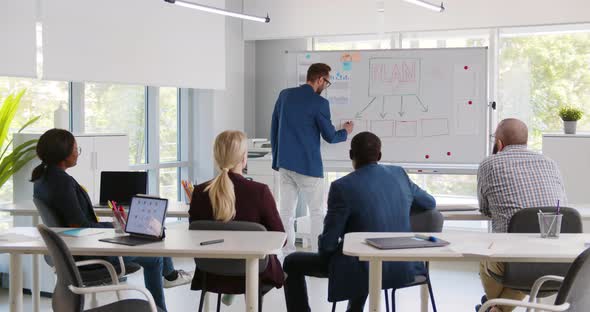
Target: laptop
point(403, 242)
point(121, 186)
point(145, 222)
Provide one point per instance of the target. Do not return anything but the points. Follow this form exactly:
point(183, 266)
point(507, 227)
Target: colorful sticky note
point(347, 66)
point(356, 56)
point(307, 56)
point(345, 57)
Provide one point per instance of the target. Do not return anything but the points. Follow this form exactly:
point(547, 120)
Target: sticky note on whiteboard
point(347, 66)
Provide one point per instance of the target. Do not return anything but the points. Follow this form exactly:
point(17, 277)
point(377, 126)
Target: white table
point(27, 208)
point(250, 246)
point(470, 246)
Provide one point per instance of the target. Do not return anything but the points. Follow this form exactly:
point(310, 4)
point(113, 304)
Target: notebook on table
point(404, 242)
point(145, 222)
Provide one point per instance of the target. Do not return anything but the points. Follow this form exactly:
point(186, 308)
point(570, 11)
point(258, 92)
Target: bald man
point(511, 179)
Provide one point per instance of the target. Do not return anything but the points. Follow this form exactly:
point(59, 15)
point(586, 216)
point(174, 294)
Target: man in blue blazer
point(301, 115)
point(372, 198)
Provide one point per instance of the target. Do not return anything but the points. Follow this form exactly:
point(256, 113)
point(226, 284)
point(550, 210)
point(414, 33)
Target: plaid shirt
point(517, 178)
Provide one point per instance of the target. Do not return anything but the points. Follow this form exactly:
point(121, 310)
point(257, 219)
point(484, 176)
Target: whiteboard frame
point(420, 167)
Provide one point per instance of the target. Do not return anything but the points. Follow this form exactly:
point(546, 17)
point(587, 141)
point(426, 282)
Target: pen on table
point(558, 206)
point(490, 246)
point(426, 237)
point(215, 241)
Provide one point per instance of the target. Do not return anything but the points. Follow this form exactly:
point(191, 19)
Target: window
point(445, 39)
point(110, 108)
point(369, 42)
point(168, 124)
point(42, 98)
point(539, 70)
point(169, 183)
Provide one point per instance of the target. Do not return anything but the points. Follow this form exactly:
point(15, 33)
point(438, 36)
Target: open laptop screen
point(146, 216)
point(120, 186)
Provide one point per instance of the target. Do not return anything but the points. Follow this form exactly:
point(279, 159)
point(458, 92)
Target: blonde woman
point(230, 196)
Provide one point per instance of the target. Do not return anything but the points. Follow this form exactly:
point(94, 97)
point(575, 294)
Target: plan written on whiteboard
point(427, 105)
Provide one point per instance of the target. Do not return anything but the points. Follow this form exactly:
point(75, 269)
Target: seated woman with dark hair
point(72, 207)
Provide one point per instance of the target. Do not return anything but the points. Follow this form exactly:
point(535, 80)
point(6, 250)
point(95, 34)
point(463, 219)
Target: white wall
point(228, 104)
point(271, 78)
point(292, 19)
point(250, 88)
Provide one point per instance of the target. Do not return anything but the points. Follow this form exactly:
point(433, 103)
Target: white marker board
point(428, 106)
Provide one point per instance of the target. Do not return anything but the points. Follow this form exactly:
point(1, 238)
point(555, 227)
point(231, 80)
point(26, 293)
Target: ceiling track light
point(210, 9)
point(427, 5)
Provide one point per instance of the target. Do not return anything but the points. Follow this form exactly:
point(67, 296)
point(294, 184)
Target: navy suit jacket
point(299, 118)
point(373, 198)
point(66, 198)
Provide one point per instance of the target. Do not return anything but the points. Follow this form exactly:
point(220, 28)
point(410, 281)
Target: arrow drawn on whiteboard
point(360, 114)
point(383, 113)
point(424, 107)
point(401, 107)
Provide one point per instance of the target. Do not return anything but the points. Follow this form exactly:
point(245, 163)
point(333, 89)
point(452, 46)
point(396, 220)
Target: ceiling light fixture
point(219, 11)
point(427, 5)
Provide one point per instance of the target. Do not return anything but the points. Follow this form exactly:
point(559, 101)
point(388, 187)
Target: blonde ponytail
point(229, 150)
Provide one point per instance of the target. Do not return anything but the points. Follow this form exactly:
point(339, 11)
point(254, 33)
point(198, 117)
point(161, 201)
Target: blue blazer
point(373, 198)
point(299, 118)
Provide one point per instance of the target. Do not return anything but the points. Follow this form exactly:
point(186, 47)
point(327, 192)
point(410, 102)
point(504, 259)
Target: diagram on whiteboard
point(426, 105)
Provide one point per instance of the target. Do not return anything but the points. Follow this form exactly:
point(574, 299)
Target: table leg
point(375, 269)
point(16, 283)
point(424, 298)
point(252, 285)
point(36, 280)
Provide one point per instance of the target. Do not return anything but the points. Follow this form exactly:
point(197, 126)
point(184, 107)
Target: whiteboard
point(428, 106)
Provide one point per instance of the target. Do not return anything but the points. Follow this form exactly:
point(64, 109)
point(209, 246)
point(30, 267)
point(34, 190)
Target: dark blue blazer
point(373, 198)
point(299, 118)
point(66, 198)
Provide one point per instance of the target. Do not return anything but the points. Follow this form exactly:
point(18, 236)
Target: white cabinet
point(100, 152)
point(572, 154)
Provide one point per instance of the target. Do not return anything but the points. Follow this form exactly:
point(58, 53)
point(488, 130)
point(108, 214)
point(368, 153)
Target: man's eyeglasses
point(328, 83)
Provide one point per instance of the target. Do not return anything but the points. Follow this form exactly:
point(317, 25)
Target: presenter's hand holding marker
point(348, 126)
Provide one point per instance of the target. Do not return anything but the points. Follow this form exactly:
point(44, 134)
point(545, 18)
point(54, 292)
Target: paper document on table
point(79, 232)
point(16, 238)
point(474, 248)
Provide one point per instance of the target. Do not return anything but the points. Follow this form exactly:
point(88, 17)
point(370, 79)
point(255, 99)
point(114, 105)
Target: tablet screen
point(146, 216)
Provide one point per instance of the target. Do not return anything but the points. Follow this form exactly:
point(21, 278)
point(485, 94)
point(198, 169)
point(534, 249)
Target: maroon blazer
point(254, 203)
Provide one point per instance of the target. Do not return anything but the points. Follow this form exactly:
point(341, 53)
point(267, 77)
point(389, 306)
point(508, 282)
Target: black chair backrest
point(526, 220)
point(523, 275)
point(67, 273)
point(226, 267)
point(575, 288)
point(426, 221)
point(47, 216)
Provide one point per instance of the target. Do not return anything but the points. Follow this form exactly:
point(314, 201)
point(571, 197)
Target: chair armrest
point(122, 266)
point(539, 283)
point(517, 303)
point(99, 289)
point(108, 265)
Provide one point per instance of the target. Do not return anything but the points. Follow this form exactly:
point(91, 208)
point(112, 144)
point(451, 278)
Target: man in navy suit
point(372, 198)
point(301, 115)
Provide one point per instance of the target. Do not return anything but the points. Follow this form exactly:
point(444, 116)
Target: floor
point(463, 294)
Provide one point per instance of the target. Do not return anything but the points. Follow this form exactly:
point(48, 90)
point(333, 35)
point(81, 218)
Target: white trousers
point(312, 193)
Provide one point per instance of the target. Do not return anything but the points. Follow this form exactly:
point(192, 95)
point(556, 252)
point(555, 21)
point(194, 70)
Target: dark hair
point(317, 70)
point(365, 148)
point(53, 147)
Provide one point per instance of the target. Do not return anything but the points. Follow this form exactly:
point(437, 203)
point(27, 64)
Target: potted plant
point(12, 161)
point(570, 116)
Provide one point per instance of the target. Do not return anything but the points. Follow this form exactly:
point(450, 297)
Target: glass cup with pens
point(119, 216)
point(550, 223)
